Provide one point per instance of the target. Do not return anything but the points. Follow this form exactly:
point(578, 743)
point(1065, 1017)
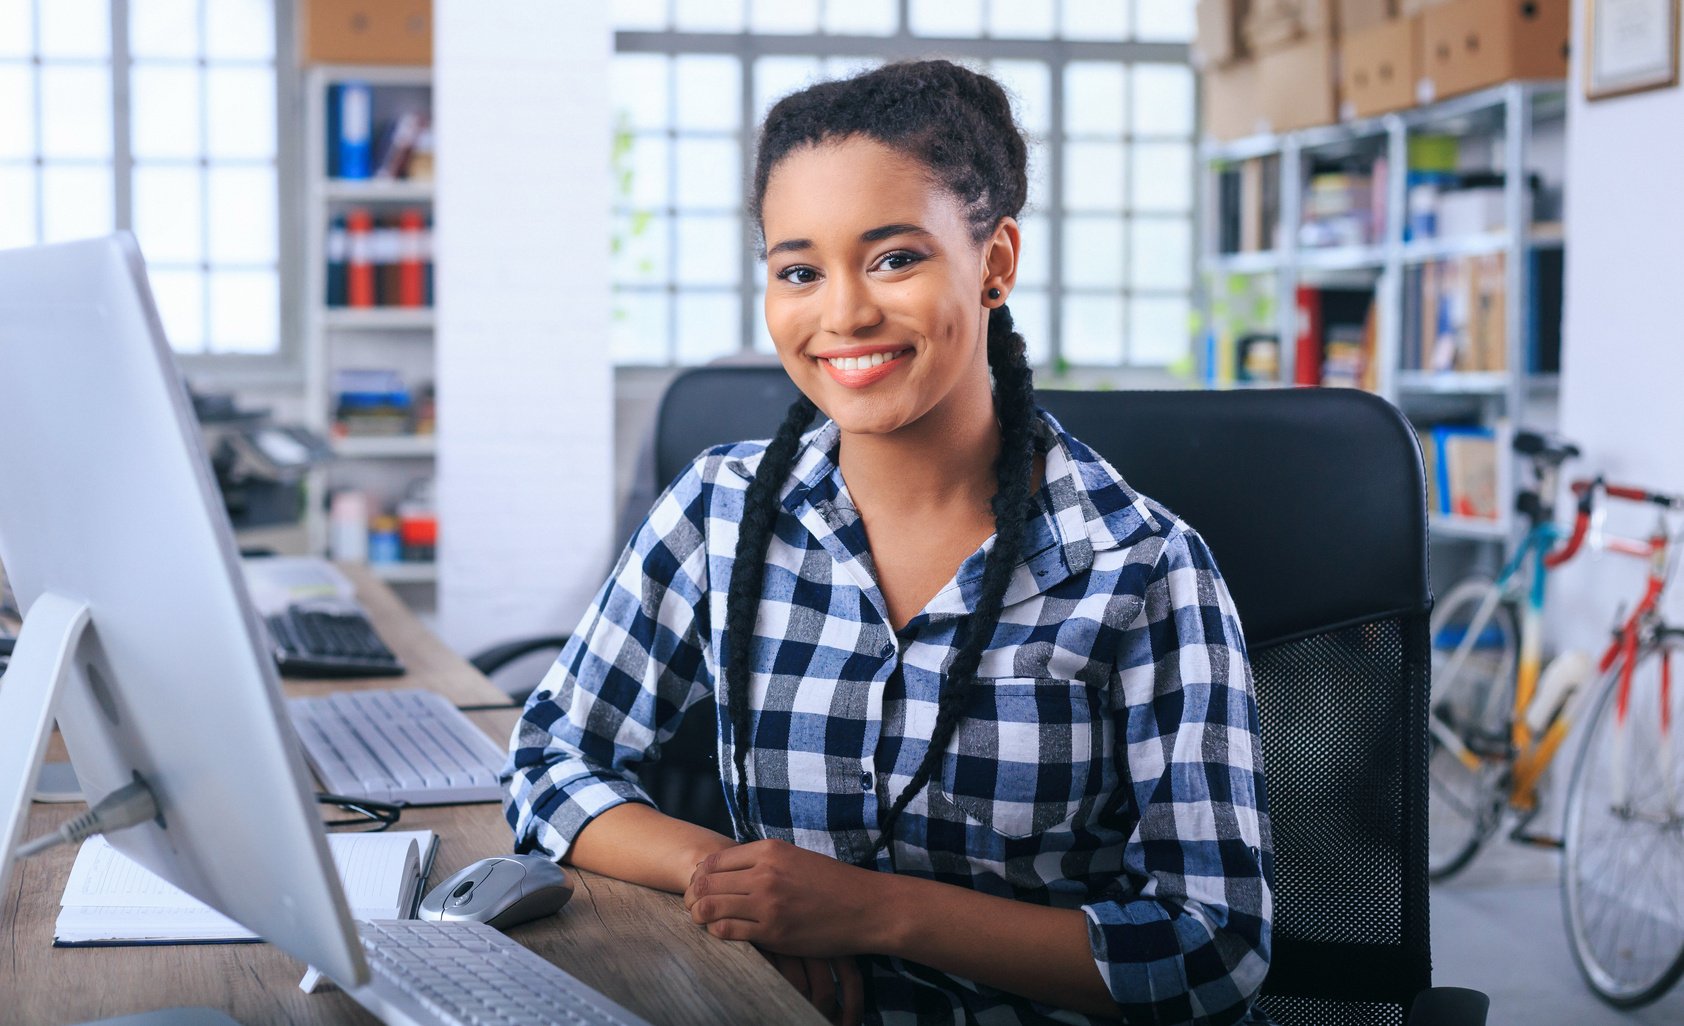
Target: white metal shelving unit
point(331, 330)
point(1504, 398)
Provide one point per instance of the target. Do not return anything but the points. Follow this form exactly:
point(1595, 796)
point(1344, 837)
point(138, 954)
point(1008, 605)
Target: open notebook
point(110, 899)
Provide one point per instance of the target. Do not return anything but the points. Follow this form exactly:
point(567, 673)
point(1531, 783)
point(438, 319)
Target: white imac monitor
point(138, 634)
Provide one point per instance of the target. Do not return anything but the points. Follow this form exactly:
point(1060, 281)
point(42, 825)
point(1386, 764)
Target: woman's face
point(875, 291)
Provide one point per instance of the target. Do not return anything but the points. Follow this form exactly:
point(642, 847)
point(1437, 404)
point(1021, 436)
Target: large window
point(1102, 87)
point(158, 116)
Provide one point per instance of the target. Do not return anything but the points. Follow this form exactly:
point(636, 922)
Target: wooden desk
point(634, 944)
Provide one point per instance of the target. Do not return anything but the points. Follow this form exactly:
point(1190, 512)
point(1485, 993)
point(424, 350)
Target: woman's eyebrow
point(887, 231)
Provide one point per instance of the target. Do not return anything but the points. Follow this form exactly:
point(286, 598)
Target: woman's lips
point(861, 376)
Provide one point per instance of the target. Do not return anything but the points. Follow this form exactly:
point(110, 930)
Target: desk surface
point(634, 944)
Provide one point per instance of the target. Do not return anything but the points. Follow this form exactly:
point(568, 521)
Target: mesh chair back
point(1313, 504)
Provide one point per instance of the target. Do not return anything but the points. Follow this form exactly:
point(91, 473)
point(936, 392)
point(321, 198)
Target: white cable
point(128, 805)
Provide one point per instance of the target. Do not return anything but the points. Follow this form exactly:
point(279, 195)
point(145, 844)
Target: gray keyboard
point(468, 974)
point(407, 745)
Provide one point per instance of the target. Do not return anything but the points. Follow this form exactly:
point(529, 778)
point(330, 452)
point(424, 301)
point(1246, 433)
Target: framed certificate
point(1632, 45)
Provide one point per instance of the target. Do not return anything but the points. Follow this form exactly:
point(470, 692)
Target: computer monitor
point(138, 634)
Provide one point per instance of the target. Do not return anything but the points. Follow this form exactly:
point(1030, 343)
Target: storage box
point(1275, 24)
point(1379, 68)
point(1471, 44)
point(1299, 87)
point(366, 31)
point(1360, 14)
point(1219, 42)
point(1232, 102)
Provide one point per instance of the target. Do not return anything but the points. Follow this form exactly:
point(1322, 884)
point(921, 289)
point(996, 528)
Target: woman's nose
point(849, 307)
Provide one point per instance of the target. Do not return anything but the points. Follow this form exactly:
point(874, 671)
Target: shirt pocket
point(1022, 760)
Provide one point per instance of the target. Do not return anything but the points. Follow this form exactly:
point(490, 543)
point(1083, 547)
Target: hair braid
point(742, 601)
point(1014, 406)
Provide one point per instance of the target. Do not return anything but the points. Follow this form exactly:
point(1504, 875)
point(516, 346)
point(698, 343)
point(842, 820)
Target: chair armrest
point(498, 656)
point(1449, 1006)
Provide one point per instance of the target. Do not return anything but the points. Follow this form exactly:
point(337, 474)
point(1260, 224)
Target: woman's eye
point(798, 275)
point(898, 260)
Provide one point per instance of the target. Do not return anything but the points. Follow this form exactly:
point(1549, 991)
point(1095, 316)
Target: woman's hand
point(786, 899)
point(833, 985)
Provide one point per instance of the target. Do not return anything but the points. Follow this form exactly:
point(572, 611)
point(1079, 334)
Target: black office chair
point(1314, 506)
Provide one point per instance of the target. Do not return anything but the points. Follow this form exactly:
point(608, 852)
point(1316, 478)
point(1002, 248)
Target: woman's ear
point(999, 259)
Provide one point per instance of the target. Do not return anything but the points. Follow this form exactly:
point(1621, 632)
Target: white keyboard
point(468, 974)
point(409, 745)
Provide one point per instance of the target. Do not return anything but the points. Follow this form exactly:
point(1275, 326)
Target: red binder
point(359, 263)
point(412, 282)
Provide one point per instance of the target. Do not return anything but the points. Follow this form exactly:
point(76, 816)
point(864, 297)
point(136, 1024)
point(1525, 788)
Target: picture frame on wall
point(1631, 46)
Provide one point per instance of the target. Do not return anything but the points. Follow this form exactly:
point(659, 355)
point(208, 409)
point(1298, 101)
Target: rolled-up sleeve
point(1183, 934)
point(620, 686)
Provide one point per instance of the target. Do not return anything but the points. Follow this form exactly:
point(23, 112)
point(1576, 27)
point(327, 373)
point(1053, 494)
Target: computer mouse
point(501, 891)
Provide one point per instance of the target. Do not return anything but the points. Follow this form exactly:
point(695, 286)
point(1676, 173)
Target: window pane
point(1094, 94)
point(240, 29)
point(75, 29)
point(1037, 174)
point(709, 250)
point(639, 332)
point(708, 15)
point(180, 295)
point(777, 77)
point(1163, 176)
point(1163, 99)
point(708, 325)
point(847, 67)
point(245, 311)
point(1093, 252)
point(785, 17)
point(1093, 176)
point(641, 249)
point(709, 174)
point(640, 86)
point(762, 337)
point(75, 112)
point(640, 15)
point(1159, 331)
point(76, 202)
point(1016, 19)
point(242, 216)
point(961, 19)
point(709, 93)
point(168, 218)
point(17, 206)
point(1030, 86)
point(164, 28)
point(1159, 22)
point(17, 28)
point(1096, 19)
point(650, 169)
point(17, 111)
point(1030, 317)
point(1034, 260)
point(241, 113)
point(164, 113)
point(1161, 254)
point(1093, 330)
point(861, 17)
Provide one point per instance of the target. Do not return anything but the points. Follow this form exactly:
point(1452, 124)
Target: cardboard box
point(1379, 68)
point(366, 31)
point(1299, 87)
point(1232, 102)
point(1277, 24)
point(1360, 14)
point(1471, 44)
point(1219, 40)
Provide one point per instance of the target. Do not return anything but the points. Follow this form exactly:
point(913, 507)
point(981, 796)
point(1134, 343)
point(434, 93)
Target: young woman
point(986, 723)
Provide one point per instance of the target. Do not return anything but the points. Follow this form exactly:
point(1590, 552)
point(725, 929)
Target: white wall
point(1622, 390)
point(525, 387)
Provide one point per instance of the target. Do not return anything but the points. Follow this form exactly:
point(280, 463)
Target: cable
point(128, 805)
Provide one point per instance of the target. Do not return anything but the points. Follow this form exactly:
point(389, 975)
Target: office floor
point(1498, 927)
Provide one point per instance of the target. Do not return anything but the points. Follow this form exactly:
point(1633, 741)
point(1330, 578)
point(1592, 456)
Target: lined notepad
point(111, 899)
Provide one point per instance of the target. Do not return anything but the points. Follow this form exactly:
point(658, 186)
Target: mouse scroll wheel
point(459, 895)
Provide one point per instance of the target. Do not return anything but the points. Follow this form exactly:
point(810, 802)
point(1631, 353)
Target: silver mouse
point(501, 891)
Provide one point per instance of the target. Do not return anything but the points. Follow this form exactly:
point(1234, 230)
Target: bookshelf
point(391, 335)
point(1508, 136)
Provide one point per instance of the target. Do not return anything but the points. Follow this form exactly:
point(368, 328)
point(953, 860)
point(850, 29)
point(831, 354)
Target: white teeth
point(863, 362)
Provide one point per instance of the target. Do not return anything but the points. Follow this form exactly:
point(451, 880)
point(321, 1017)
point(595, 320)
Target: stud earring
point(993, 293)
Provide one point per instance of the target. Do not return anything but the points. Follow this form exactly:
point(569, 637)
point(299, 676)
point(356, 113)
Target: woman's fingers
point(822, 986)
point(715, 907)
point(704, 884)
point(794, 970)
point(850, 988)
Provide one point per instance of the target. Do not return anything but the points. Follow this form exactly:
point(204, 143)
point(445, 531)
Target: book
point(112, 900)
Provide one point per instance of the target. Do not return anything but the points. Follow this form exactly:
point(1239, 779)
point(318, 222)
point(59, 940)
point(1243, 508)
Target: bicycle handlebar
point(1587, 490)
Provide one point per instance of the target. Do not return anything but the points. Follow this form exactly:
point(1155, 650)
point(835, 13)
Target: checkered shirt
point(1108, 760)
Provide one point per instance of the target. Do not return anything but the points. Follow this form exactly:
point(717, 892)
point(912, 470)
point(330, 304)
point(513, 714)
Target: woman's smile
point(865, 367)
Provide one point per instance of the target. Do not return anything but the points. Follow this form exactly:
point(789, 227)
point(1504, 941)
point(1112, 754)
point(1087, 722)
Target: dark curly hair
point(958, 126)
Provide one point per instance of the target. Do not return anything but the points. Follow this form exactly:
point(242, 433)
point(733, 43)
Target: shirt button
point(888, 650)
point(865, 781)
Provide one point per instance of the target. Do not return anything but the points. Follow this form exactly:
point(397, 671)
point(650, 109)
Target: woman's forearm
point(637, 843)
point(1041, 953)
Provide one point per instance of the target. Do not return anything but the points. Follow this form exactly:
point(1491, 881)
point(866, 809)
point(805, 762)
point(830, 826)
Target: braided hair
point(958, 125)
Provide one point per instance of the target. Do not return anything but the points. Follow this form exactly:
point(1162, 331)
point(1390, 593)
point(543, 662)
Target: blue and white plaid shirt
point(1108, 759)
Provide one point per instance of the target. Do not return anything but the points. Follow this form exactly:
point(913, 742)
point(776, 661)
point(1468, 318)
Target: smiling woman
point(988, 731)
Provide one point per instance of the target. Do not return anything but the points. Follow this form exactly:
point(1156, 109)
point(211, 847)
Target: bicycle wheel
point(1474, 650)
point(1623, 875)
